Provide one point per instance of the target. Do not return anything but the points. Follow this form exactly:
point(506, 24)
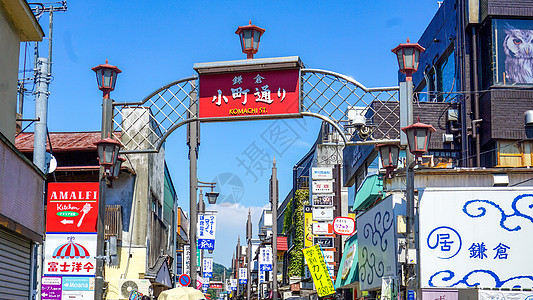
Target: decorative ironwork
point(332, 97)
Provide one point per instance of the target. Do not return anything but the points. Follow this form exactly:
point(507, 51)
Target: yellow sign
point(308, 227)
point(319, 270)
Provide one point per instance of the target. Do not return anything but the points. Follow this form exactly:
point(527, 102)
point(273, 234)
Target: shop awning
point(348, 273)
point(368, 193)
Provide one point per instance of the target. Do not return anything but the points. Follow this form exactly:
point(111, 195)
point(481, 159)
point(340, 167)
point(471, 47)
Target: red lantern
point(408, 55)
point(250, 36)
point(106, 76)
point(418, 136)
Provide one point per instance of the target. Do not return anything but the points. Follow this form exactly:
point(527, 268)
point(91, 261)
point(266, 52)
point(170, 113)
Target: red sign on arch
point(252, 93)
point(72, 207)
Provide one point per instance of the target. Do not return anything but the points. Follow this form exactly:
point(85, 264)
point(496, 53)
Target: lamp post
point(212, 199)
point(389, 154)
point(107, 149)
point(418, 137)
point(250, 35)
point(408, 55)
point(274, 206)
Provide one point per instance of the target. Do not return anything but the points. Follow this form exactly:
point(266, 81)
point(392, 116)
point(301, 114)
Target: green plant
point(296, 258)
point(287, 218)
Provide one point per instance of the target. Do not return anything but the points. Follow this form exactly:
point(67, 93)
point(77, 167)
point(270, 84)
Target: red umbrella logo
point(71, 250)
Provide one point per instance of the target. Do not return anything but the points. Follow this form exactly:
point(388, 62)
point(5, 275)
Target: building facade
point(21, 182)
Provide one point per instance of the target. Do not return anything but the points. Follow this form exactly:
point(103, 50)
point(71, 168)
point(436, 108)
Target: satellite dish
point(51, 163)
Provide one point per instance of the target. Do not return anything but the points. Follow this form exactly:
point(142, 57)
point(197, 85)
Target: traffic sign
point(184, 280)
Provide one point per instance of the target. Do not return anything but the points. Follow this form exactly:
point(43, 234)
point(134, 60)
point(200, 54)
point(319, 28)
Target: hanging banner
point(206, 231)
point(319, 270)
point(265, 259)
point(72, 207)
point(274, 92)
point(70, 254)
point(208, 268)
point(243, 275)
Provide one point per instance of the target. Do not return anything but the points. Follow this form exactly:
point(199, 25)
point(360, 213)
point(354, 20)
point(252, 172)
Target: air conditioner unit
point(126, 286)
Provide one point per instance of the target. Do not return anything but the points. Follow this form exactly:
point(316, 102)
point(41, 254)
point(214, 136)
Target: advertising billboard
point(72, 207)
point(376, 242)
point(253, 93)
point(476, 236)
point(70, 254)
point(512, 52)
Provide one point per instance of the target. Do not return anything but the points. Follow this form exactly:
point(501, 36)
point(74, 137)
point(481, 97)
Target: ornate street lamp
point(116, 167)
point(408, 55)
point(212, 197)
point(250, 36)
point(418, 136)
point(389, 154)
point(106, 75)
point(108, 153)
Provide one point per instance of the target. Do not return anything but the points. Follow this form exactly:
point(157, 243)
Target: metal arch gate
point(144, 126)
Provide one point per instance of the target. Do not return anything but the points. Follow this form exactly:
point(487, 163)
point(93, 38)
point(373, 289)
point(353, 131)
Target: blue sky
point(157, 42)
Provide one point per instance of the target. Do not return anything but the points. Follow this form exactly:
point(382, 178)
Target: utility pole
point(274, 204)
point(193, 140)
point(249, 254)
point(238, 265)
point(43, 73)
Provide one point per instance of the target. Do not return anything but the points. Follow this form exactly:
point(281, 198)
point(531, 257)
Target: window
point(440, 80)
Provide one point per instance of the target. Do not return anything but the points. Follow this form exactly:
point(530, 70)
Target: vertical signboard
point(243, 275)
point(478, 236)
point(256, 93)
point(186, 259)
point(233, 284)
point(308, 226)
point(72, 207)
point(206, 231)
point(70, 254)
point(265, 259)
point(208, 267)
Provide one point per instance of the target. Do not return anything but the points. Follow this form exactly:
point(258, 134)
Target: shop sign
point(329, 256)
point(319, 270)
point(186, 261)
point(322, 186)
point(469, 233)
point(262, 276)
point(348, 261)
point(78, 283)
point(344, 225)
point(322, 213)
point(265, 259)
point(51, 288)
point(320, 173)
point(70, 254)
point(208, 267)
point(216, 285)
point(243, 275)
point(322, 200)
point(322, 228)
point(72, 207)
point(206, 231)
point(308, 226)
point(233, 284)
point(448, 294)
point(255, 93)
point(324, 242)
